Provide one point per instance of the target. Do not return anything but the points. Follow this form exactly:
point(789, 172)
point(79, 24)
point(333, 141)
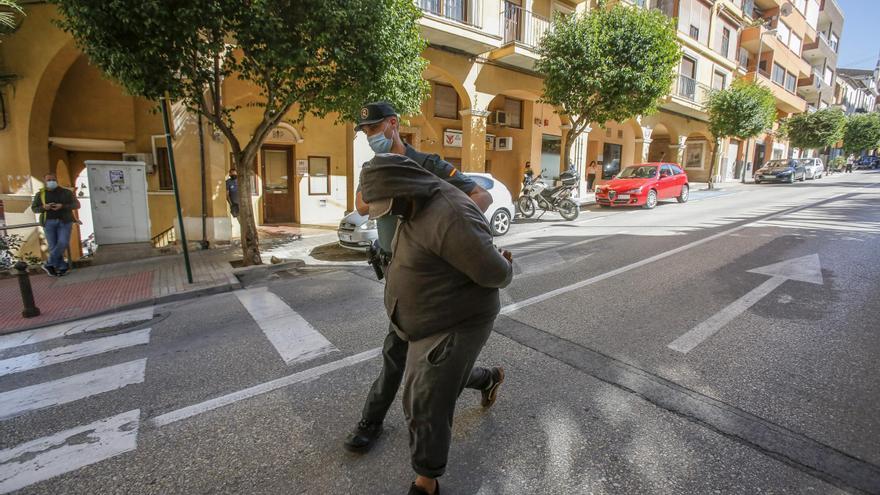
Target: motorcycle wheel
point(568, 209)
point(526, 206)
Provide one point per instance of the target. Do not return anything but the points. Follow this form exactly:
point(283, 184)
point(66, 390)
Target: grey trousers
point(384, 388)
point(438, 368)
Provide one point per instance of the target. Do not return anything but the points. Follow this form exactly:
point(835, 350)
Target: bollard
point(27, 294)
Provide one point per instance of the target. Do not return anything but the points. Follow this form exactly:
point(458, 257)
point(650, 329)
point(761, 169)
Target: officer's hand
point(507, 255)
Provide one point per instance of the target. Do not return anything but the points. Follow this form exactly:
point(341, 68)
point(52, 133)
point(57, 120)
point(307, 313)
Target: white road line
point(66, 451)
point(69, 389)
point(74, 351)
point(510, 308)
point(293, 337)
point(225, 400)
point(60, 330)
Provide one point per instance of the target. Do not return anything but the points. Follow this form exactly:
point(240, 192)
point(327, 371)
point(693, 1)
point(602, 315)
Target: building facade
point(818, 88)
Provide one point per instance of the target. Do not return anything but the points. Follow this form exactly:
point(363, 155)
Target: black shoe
point(362, 438)
point(414, 490)
point(61, 273)
point(491, 392)
point(50, 270)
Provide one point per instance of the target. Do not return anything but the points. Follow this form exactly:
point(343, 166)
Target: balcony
point(521, 32)
point(688, 97)
point(815, 88)
point(786, 101)
point(457, 24)
point(755, 38)
point(820, 49)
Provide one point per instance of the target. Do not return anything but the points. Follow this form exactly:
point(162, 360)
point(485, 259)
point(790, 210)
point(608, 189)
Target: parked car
point(784, 170)
point(644, 185)
point(867, 162)
point(358, 231)
point(815, 167)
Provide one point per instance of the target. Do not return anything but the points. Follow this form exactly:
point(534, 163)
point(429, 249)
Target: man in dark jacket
point(55, 205)
point(232, 192)
point(441, 295)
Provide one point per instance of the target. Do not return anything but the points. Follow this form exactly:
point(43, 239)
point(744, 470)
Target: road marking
point(69, 389)
point(803, 269)
point(74, 351)
point(510, 308)
point(225, 400)
point(60, 330)
point(67, 451)
point(293, 337)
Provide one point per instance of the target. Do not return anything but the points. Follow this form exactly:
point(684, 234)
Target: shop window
point(693, 155)
point(445, 102)
point(513, 108)
point(319, 175)
point(163, 169)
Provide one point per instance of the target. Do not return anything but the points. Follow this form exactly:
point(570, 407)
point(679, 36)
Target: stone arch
point(284, 133)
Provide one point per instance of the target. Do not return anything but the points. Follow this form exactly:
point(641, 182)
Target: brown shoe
point(490, 393)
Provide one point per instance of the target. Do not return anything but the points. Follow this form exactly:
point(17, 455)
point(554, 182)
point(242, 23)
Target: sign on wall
point(302, 167)
point(452, 138)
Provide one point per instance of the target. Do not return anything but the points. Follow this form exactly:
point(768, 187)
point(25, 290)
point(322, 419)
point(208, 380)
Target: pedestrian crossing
point(68, 450)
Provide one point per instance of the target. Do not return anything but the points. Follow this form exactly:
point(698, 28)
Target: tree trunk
point(250, 241)
point(570, 137)
point(712, 166)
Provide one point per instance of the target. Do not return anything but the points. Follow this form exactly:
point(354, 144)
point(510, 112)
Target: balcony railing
point(464, 11)
point(522, 26)
point(690, 89)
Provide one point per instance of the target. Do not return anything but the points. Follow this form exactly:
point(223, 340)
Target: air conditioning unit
point(499, 118)
point(503, 144)
point(147, 158)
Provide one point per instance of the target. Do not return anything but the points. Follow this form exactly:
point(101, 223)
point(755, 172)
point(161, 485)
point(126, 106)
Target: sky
point(860, 43)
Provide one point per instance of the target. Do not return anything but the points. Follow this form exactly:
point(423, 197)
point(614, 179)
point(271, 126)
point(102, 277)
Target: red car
point(644, 185)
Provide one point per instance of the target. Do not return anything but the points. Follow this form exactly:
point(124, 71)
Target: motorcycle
point(536, 194)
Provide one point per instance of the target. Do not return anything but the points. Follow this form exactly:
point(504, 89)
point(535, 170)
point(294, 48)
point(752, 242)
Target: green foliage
point(862, 132)
point(328, 56)
point(744, 110)
point(837, 163)
point(814, 130)
point(608, 64)
point(10, 251)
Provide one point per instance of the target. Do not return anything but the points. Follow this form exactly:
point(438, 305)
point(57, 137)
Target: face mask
point(379, 143)
point(51, 185)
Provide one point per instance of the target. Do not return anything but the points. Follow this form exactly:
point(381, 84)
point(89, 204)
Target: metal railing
point(464, 11)
point(164, 238)
point(522, 26)
point(690, 89)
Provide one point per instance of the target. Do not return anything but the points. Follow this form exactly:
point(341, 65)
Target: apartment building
point(858, 89)
point(819, 87)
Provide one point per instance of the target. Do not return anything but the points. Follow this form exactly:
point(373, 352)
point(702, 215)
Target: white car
point(358, 231)
point(814, 167)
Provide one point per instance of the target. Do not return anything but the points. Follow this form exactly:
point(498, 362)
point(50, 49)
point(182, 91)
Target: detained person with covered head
point(442, 297)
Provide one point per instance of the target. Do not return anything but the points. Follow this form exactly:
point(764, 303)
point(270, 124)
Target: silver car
point(814, 167)
point(357, 231)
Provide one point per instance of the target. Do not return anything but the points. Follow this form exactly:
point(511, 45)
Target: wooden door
point(278, 192)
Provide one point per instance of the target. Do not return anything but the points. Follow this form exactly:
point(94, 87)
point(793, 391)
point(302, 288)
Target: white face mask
point(51, 184)
point(380, 143)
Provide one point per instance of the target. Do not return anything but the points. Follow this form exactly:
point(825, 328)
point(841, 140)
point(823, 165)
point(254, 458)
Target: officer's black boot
point(363, 436)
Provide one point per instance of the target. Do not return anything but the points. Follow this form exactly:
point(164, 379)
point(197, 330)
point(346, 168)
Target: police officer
point(380, 122)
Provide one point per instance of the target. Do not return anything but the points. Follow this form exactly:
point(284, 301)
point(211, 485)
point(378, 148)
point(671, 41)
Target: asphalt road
point(727, 345)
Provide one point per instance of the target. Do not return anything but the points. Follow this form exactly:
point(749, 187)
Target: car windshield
point(644, 172)
point(780, 164)
point(484, 182)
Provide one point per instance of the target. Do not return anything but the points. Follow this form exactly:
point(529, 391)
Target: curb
point(154, 301)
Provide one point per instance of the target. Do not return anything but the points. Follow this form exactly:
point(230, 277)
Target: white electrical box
point(118, 196)
point(503, 143)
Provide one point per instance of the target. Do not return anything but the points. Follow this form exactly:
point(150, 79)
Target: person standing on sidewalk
point(55, 205)
point(232, 192)
point(592, 169)
point(380, 122)
point(442, 297)
point(849, 164)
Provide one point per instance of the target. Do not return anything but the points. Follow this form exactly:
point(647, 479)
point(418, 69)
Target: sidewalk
point(97, 289)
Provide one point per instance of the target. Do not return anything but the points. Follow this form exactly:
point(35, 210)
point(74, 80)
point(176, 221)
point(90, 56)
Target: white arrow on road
point(803, 269)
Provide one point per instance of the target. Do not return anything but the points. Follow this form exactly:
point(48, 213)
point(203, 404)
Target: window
point(445, 102)
point(163, 169)
point(783, 32)
point(719, 80)
point(666, 170)
point(693, 18)
point(676, 170)
point(667, 7)
point(790, 82)
point(693, 155)
point(688, 67)
point(725, 42)
point(795, 44)
point(484, 182)
point(801, 5)
point(778, 74)
point(834, 40)
point(319, 175)
point(611, 160)
point(513, 109)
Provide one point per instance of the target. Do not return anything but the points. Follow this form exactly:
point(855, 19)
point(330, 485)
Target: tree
point(315, 57)
point(9, 10)
point(607, 64)
point(815, 130)
point(862, 132)
point(744, 110)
